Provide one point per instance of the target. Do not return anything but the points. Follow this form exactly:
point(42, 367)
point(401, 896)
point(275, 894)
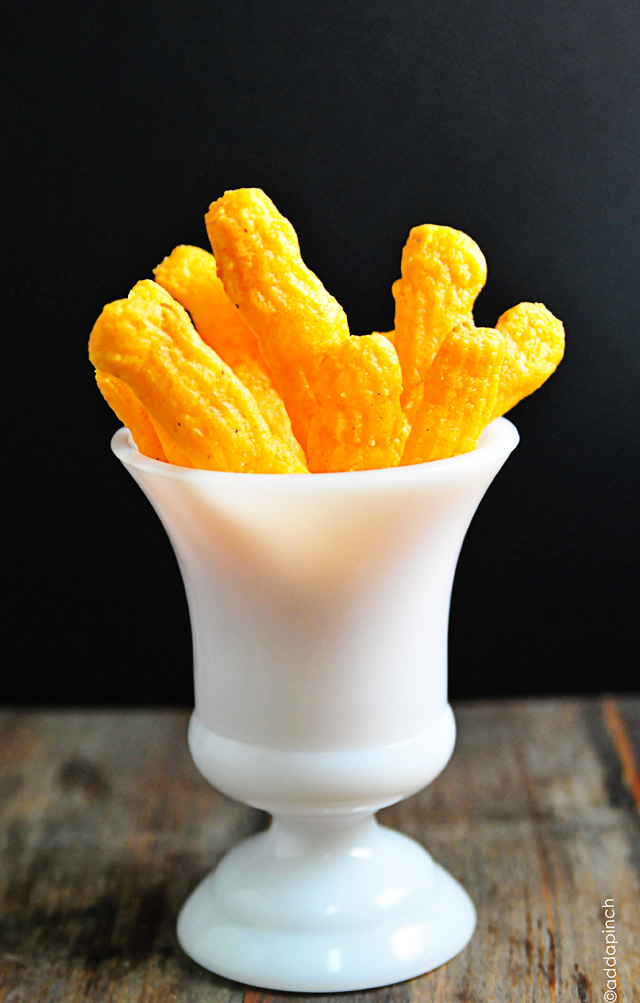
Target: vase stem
point(329, 833)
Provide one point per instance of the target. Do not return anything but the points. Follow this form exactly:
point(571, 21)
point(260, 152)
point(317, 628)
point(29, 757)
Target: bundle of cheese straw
point(242, 361)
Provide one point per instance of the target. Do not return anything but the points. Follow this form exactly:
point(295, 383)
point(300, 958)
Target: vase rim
point(498, 439)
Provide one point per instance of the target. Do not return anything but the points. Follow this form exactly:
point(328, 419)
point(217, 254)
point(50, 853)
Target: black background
point(515, 122)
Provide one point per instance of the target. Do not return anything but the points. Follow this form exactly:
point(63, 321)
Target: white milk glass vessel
point(319, 609)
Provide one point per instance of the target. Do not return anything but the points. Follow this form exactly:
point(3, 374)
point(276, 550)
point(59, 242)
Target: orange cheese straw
point(443, 270)
point(535, 345)
point(131, 413)
point(292, 315)
point(460, 391)
point(149, 342)
point(189, 274)
point(357, 423)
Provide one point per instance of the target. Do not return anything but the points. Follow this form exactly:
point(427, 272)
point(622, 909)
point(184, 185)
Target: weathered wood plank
point(622, 719)
point(105, 826)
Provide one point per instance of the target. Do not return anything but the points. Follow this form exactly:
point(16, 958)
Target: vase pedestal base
point(326, 904)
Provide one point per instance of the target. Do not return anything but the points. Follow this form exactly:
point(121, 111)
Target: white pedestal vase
point(319, 609)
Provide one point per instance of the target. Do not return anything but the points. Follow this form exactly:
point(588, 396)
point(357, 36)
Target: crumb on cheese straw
point(149, 342)
point(293, 316)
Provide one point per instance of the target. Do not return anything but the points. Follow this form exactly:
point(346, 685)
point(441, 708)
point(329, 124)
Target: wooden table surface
point(105, 826)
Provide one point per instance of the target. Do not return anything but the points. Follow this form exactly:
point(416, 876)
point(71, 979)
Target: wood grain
point(105, 826)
